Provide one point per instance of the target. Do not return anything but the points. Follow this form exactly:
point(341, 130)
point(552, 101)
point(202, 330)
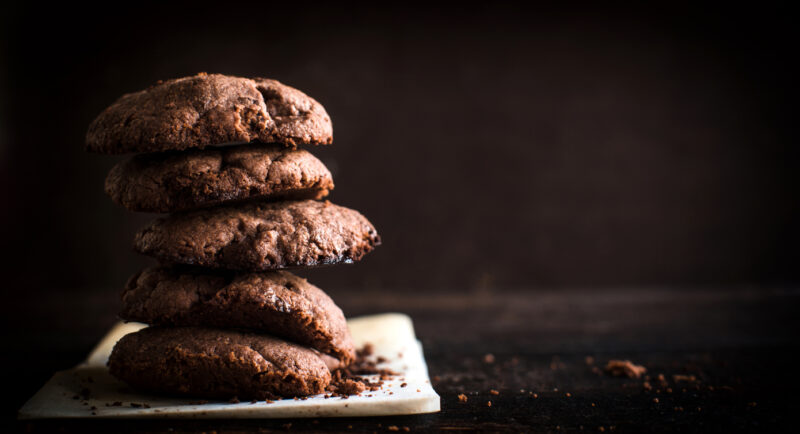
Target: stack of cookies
point(219, 154)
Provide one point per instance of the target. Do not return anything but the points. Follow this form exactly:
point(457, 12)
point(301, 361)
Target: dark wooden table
point(531, 347)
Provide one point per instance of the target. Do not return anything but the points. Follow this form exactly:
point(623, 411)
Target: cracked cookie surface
point(215, 363)
point(277, 302)
point(178, 181)
point(258, 236)
point(209, 109)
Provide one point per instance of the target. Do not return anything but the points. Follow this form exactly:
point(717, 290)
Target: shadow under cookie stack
point(219, 154)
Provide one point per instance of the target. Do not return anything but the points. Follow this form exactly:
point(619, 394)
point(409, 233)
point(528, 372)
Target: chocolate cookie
point(258, 236)
point(209, 109)
point(176, 181)
point(212, 363)
point(276, 302)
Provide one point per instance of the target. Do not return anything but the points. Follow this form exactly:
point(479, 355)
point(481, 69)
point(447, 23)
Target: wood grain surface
point(738, 344)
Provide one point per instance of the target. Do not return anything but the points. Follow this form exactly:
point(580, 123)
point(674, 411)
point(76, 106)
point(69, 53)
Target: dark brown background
point(493, 147)
point(490, 146)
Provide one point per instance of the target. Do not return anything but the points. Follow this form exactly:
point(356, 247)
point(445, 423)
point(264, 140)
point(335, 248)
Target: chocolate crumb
point(676, 378)
point(624, 368)
point(234, 400)
point(200, 402)
point(488, 358)
point(404, 385)
point(368, 350)
point(287, 426)
point(655, 400)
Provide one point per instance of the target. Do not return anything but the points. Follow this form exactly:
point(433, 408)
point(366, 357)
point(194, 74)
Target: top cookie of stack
point(220, 154)
point(206, 110)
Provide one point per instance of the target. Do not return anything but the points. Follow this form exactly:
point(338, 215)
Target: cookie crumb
point(691, 378)
point(393, 428)
point(234, 400)
point(489, 403)
point(489, 358)
point(494, 392)
point(624, 368)
point(462, 397)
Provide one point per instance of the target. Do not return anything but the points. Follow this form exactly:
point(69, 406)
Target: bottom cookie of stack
point(217, 363)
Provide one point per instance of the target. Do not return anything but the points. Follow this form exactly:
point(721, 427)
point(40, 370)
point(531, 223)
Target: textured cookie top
point(177, 181)
point(209, 109)
point(278, 303)
point(258, 236)
point(217, 363)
